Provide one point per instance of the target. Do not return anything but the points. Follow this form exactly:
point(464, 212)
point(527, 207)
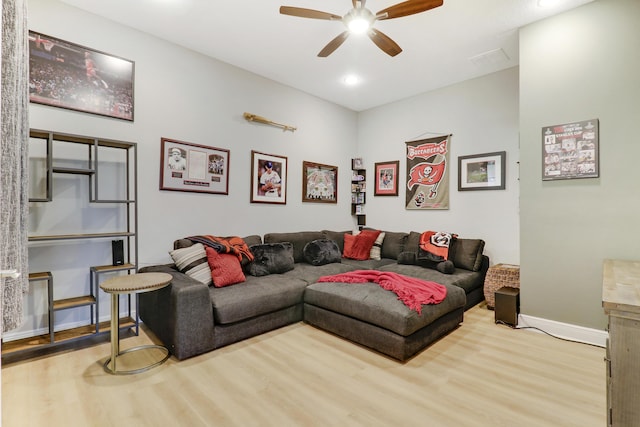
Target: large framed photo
point(386, 181)
point(482, 171)
point(192, 167)
point(68, 75)
point(268, 178)
point(319, 183)
point(570, 151)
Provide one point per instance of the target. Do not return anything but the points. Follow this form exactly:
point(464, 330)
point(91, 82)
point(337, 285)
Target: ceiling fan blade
point(333, 45)
point(409, 7)
point(383, 41)
point(308, 13)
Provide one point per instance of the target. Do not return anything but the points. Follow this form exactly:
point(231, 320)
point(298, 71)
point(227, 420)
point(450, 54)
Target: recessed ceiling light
point(351, 80)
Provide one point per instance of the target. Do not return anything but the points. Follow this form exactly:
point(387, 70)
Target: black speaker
point(507, 305)
point(117, 249)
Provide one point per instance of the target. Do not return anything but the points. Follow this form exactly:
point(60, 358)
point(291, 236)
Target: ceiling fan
point(360, 19)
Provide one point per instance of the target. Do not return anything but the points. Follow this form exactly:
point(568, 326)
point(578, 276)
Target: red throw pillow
point(225, 268)
point(359, 247)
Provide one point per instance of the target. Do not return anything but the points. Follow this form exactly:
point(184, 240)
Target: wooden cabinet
point(621, 302)
point(358, 191)
point(105, 173)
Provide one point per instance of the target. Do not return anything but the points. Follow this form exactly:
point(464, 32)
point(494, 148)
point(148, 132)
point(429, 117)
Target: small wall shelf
point(358, 191)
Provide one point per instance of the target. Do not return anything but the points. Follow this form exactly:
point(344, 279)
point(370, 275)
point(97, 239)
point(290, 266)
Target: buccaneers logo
point(427, 174)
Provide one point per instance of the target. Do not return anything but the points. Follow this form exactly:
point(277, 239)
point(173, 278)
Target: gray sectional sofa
point(191, 318)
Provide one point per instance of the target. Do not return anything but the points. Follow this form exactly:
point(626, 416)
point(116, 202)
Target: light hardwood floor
point(482, 374)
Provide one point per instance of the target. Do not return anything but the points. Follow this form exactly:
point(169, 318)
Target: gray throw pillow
point(270, 258)
point(321, 252)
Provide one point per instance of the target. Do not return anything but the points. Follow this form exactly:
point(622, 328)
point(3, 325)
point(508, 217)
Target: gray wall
point(580, 65)
point(183, 95)
point(482, 115)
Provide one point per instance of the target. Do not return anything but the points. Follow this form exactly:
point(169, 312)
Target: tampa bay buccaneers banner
point(428, 173)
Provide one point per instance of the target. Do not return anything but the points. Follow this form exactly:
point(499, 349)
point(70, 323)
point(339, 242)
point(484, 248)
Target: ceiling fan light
point(358, 25)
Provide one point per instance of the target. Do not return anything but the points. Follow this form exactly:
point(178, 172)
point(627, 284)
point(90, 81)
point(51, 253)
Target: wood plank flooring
point(482, 374)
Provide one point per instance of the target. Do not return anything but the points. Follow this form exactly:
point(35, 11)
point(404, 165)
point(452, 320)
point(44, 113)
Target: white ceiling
point(438, 45)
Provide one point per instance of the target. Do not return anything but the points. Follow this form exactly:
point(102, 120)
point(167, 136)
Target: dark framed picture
point(570, 150)
point(482, 171)
point(192, 167)
point(386, 178)
point(319, 183)
point(268, 178)
point(67, 75)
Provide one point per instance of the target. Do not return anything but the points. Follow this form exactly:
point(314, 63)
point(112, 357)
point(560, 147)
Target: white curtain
point(14, 202)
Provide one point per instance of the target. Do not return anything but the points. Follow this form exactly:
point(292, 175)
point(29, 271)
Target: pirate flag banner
point(428, 173)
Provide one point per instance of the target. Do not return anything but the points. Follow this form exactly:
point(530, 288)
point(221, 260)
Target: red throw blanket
point(411, 291)
point(225, 245)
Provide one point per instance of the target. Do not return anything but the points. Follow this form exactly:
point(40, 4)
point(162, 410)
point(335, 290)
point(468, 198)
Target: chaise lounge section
point(192, 318)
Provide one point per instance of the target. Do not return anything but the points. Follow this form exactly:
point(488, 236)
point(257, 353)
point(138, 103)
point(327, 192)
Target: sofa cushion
point(372, 304)
point(257, 296)
point(465, 279)
point(376, 249)
point(411, 258)
point(359, 246)
point(393, 244)
point(193, 262)
point(225, 268)
point(321, 252)
point(298, 240)
point(467, 253)
point(270, 258)
point(336, 236)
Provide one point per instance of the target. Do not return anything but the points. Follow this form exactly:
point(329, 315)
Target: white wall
point(183, 95)
point(482, 115)
point(580, 65)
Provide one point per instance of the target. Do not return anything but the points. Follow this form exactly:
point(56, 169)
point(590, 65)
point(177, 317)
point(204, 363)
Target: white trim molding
point(565, 330)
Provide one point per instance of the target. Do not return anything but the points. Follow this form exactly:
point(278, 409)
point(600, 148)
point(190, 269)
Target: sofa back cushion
point(393, 244)
point(467, 253)
point(270, 258)
point(336, 236)
point(298, 240)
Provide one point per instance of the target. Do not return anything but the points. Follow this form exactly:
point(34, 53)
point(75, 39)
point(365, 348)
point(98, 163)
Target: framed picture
point(570, 151)
point(386, 181)
point(192, 167)
point(319, 183)
point(268, 178)
point(357, 163)
point(67, 75)
point(482, 171)
point(427, 175)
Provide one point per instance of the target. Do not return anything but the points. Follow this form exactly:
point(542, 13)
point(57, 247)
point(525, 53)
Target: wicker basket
point(498, 276)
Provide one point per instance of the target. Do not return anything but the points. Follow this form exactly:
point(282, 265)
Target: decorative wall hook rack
point(254, 118)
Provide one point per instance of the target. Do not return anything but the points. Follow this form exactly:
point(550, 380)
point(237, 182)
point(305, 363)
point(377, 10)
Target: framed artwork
point(268, 178)
point(192, 167)
point(319, 183)
point(357, 163)
point(482, 171)
point(570, 151)
point(428, 173)
point(386, 181)
point(67, 75)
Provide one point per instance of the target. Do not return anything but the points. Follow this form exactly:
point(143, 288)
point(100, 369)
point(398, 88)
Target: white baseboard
point(565, 330)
